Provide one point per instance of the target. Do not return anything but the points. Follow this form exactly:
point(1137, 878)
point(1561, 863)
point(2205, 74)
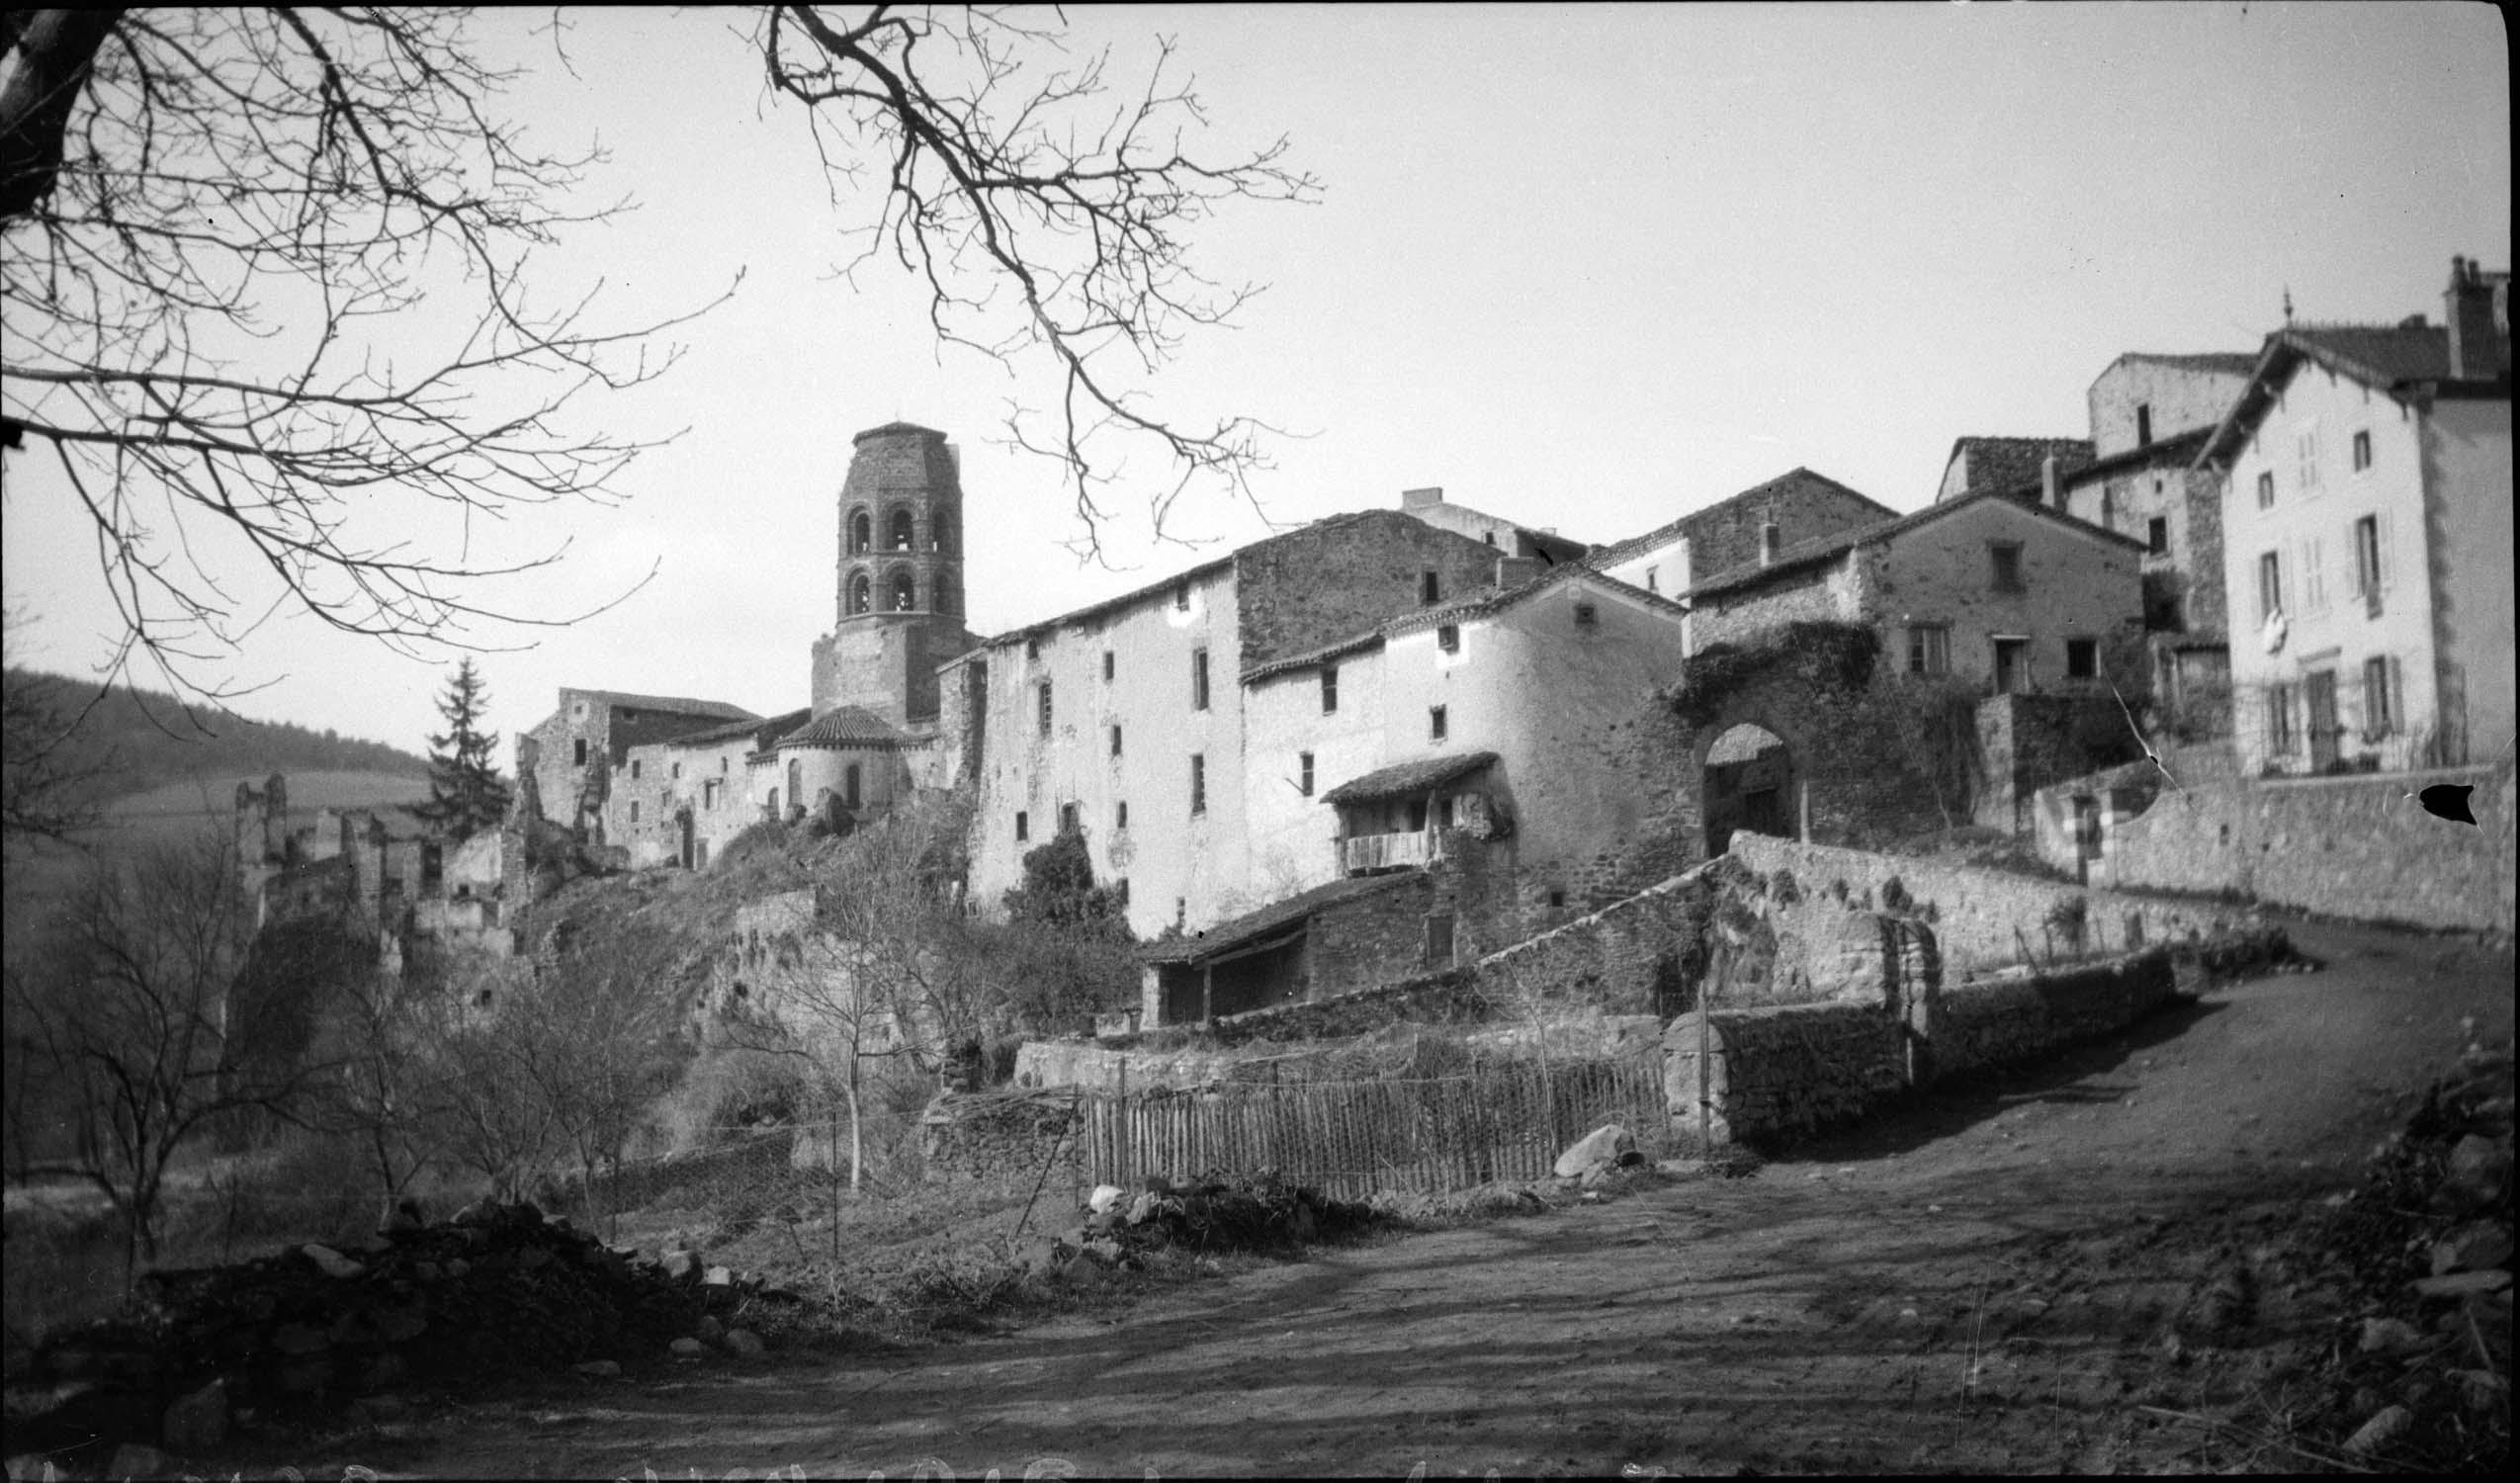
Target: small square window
point(1032, 648)
point(1448, 637)
point(2156, 535)
point(1929, 648)
point(1557, 898)
point(1023, 826)
point(1304, 774)
point(2006, 559)
point(1180, 598)
point(2082, 658)
point(2362, 451)
point(2266, 491)
point(1067, 818)
point(1436, 723)
point(1586, 615)
point(634, 769)
point(678, 770)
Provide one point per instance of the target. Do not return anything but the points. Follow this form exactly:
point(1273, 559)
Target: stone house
point(1979, 463)
point(1126, 719)
point(2367, 512)
point(1544, 548)
point(574, 756)
point(382, 875)
point(1735, 534)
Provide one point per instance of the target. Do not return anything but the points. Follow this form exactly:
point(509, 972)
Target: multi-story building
point(568, 764)
point(1126, 719)
point(2367, 517)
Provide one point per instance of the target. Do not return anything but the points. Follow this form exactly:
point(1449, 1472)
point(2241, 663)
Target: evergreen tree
point(466, 792)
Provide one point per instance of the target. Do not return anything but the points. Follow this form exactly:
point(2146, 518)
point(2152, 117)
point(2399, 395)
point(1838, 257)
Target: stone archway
point(1750, 781)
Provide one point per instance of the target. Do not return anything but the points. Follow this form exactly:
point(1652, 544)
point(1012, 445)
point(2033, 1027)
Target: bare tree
point(217, 221)
point(1046, 210)
point(48, 780)
point(124, 1024)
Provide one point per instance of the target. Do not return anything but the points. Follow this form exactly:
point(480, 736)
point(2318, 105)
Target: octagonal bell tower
point(901, 578)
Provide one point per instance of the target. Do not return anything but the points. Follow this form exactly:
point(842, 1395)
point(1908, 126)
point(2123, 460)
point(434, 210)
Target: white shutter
point(2314, 576)
point(2387, 557)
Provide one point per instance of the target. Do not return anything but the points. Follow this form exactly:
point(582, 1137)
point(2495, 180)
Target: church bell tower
point(901, 578)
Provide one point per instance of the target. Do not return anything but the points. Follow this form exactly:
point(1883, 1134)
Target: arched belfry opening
point(861, 532)
point(1749, 782)
point(902, 531)
point(900, 592)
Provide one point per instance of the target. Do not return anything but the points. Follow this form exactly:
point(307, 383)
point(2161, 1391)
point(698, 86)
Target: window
point(1198, 679)
point(1444, 812)
point(709, 794)
point(1110, 665)
point(1586, 615)
point(1045, 707)
point(676, 770)
point(1653, 578)
point(850, 784)
point(1929, 648)
point(633, 769)
point(1115, 738)
point(2306, 458)
point(1067, 818)
point(2107, 508)
point(900, 530)
point(1304, 774)
point(1434, 723)
point(2143, 423)
point(634, 810)
point(1120, 815)
point(905, 592)
point(580, 752)
point(940, 535)
point(2367, 570)
point(861, 532)
point(2006, 558)
point(2279, 720)
point(1488, 535)
point(2156, 535)
point(722, 764)
point(1429, 589)
point(1438, 940)
point(1771, 540)
point(1328, 689)
point(2082, 658)
point(862, 596)
point(1180, 598)
point(1198, 782)
point(1557, 897)
point(2266, 491)
point(1023, 826)
point(2379, 715)
point(1032, 648)
point(2362, 451)
point(1448, 637)
point(2270, 587)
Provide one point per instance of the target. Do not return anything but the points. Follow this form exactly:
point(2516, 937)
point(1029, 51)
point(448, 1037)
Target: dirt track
point(1990, 1283)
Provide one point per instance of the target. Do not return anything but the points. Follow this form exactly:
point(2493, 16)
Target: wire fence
point(1506, 1120)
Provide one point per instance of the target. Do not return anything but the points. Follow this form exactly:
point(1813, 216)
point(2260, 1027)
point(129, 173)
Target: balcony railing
point(1365, 853)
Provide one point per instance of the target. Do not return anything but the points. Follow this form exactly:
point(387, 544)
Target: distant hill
point(144, 740)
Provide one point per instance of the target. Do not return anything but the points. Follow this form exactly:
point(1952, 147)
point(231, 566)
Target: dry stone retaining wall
point(1968, 1026)
point(1007, 1137)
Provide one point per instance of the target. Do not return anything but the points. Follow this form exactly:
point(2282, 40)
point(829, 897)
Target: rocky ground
point(2240, 1237)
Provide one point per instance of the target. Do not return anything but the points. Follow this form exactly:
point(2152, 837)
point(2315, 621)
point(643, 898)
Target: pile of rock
point(2423, 1375)
point(315, 1329)
point(1259, 1213)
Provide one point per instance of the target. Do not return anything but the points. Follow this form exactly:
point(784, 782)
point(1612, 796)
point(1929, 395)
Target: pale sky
point(1583, 268)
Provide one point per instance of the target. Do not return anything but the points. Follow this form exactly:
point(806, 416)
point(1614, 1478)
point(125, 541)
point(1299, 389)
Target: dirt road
point(1993, 1281)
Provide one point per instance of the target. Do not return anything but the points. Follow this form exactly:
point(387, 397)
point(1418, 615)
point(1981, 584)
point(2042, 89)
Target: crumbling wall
point(1003, 1137)
point(1783, 1069)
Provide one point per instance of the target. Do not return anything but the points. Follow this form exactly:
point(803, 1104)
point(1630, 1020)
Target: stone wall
point(1982, 919)
point(2022, 1015)
point(2357, 847)
point(1003, 1137)
point(1336, 578)
point(2027, 742)
point(1624, 959)
point(1778, 1071)
point(1784, 1070)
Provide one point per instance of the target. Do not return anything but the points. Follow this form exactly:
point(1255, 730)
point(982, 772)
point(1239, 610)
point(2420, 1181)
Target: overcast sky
point(1585, 268)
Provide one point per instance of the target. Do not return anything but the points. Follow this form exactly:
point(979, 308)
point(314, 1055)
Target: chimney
point(2050, 492)
point(1419, 499)
point(2466, 307)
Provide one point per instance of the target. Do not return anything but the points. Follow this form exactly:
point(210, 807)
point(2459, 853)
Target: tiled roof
point(1822, 550)
point(848, 726)
point(673, 704)
point(895, 429)
point(2388, 356)
point(2234, 362)
point(1796, 479)
point(1497, 599)
point(1409, 777)
point(1251, 925)
point(2004, 462)
point(1353, 644)
point(766, 730)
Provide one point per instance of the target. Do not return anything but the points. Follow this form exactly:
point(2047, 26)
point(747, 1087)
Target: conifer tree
point(466, 792)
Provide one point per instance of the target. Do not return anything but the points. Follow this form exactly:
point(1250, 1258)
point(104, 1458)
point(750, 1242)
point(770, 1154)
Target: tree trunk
point(55, 50)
